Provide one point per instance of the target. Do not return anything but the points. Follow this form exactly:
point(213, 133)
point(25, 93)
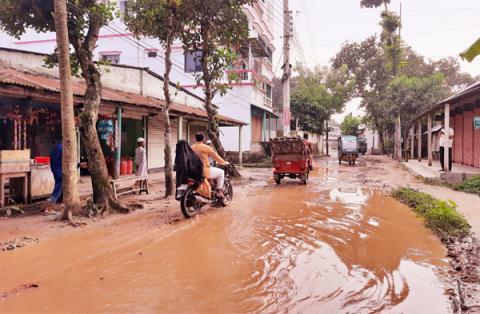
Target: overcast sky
point(434, 28)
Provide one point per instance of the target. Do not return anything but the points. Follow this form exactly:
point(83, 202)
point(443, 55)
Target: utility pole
point(69, 139)
point(287, 30)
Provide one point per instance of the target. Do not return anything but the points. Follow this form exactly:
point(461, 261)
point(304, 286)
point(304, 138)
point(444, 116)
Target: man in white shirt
point(141, 158)
point(446, 142)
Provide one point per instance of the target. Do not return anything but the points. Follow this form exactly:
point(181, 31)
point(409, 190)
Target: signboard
point(476, 123)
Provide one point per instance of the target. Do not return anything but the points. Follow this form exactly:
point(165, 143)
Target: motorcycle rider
point(204, 152)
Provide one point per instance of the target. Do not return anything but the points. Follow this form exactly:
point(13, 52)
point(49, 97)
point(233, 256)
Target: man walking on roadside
point(446, 141)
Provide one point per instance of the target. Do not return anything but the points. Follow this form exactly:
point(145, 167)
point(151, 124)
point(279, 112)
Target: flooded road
point(329, 247)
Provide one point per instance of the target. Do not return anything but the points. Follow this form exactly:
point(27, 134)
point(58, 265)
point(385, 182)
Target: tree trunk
point(71, 197)
point(166, 114)
point(327, 145)
point(213, 129)
point(398, 139)
point(102, 191)
point(381, 141)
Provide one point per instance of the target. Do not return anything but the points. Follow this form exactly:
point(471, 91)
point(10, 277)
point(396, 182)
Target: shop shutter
point(468, 138)
point(458, 139)
point(156, 127)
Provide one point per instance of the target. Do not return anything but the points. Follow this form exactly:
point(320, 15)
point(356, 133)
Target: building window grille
point(110, 58)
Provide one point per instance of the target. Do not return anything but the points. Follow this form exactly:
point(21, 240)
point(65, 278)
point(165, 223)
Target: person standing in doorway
point(446, 142)
point(141, 158)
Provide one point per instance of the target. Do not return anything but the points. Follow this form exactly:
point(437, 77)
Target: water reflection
point(284, 249)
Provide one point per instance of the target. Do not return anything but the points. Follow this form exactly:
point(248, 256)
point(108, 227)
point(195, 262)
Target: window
point(123, 8)
point(113, 58)
point(268, 90)
point(193, 61)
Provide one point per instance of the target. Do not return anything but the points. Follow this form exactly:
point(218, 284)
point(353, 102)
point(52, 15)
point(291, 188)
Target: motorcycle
point(191, 202)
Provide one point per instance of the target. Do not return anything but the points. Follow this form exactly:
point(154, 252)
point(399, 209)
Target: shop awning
point(37, 82)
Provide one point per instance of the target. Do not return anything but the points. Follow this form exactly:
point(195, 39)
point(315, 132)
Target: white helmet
point(140, 140)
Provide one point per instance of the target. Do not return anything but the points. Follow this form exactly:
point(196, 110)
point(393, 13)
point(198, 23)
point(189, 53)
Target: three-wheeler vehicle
point(347, 149)
point(291, 158)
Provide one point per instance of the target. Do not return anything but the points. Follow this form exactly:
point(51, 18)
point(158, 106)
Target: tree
point(165, 20)
point(317, 94)
point(85, 19)
point(71, 198)
point(367, 63)
point(350, 124)
point(217, 28)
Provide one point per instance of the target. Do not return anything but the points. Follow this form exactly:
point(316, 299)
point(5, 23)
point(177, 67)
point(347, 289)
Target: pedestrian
point(56, 168)
point(141, 158)
point(446, 141)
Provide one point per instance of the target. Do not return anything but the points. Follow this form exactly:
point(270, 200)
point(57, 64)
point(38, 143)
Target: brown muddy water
point(287, 248)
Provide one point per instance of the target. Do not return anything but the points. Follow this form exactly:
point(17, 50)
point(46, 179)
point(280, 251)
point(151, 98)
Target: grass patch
point(440, 216)
point(471, 185)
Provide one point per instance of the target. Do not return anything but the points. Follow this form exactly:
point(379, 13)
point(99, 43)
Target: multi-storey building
point(250, 97)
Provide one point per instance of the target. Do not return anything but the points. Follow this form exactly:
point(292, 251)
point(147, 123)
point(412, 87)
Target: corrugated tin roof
point(43, 82)
point(466, 92)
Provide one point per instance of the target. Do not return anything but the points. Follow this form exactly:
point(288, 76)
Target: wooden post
point(15, 137)
point(429, 140)
point(447, 134)
point(240, 153)
point(419, 153)
point(412, 142)
point(118, 152)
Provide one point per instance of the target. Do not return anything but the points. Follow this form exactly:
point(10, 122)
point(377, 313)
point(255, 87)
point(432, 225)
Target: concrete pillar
point(447, 134)
point(240, 153)
point(419, 153)
point(118, 152)
point(264, 126)
point(429, 140)
point(180, 128)
point(412, 142)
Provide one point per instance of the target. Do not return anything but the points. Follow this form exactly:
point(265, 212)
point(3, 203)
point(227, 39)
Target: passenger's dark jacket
point(187, 164)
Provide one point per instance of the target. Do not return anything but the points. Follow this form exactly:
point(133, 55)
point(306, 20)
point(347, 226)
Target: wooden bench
point(129, 184)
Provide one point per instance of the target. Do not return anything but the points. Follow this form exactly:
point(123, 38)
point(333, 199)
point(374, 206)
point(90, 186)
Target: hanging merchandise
point(106, 131)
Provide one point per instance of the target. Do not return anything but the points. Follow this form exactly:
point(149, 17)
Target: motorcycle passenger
point(204, 152)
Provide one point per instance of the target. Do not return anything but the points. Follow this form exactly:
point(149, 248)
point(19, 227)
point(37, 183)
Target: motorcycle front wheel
point(189, 203)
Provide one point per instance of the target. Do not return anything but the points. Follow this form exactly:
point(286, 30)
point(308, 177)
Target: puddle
point(287, 248)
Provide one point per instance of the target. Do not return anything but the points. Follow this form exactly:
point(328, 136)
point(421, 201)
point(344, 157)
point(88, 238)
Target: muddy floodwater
point(330, 247)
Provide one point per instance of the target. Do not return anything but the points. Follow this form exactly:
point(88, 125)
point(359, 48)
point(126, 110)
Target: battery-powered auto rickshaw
point(291, 158)
point(347, 149)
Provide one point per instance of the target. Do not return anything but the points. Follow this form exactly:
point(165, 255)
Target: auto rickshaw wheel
point(277, 178)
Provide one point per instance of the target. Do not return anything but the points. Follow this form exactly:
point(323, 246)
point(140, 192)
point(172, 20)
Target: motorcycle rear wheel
point(189, 204)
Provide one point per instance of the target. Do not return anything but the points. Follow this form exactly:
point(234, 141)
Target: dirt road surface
point(337, 245)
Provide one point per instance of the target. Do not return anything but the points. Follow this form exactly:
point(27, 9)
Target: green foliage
point(217, 28)
point(472, 52)
point(440, 216)
point(374, 3)
point(471, 185)
point(350, 124)
point(318, 94)
point(266, 148)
